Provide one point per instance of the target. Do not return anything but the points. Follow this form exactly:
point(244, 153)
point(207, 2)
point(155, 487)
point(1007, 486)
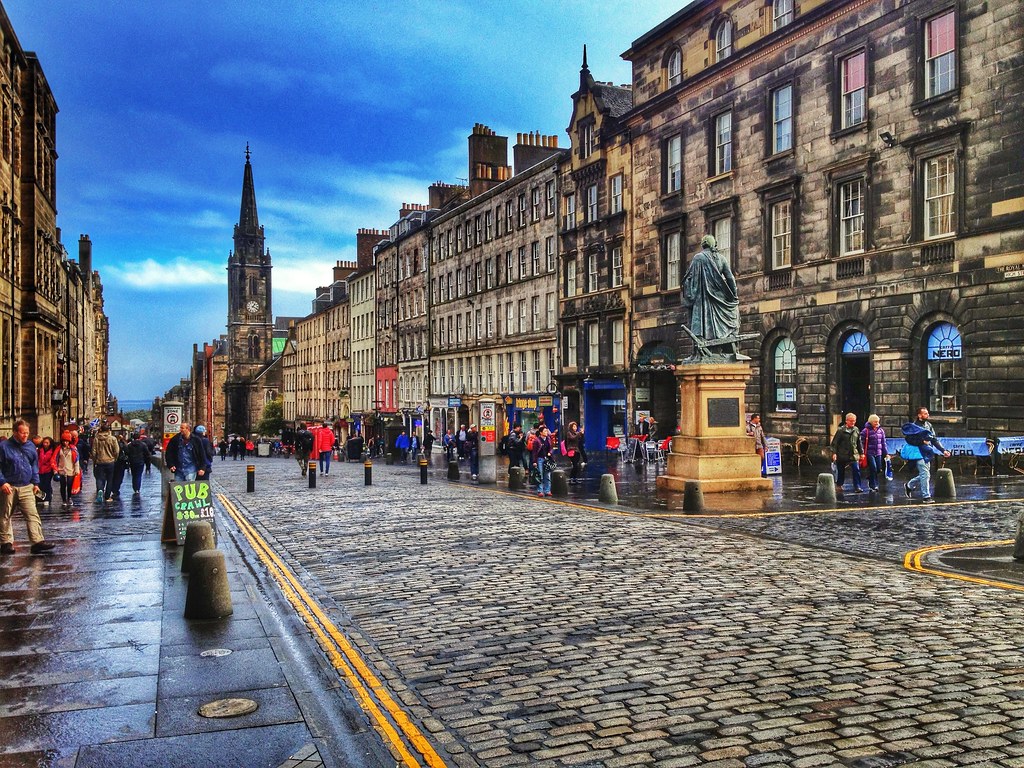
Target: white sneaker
point(474, 477)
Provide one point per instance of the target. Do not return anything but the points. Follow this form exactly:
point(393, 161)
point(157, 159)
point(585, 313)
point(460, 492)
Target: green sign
point(189, 503)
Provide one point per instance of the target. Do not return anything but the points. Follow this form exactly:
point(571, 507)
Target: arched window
point(254, 346)
point(856, 343)
point(945, 369)
point(723, 40)
point(784, 370)
point(675, 67)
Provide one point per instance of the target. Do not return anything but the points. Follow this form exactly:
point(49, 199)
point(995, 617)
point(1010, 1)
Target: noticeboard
point(187, 503)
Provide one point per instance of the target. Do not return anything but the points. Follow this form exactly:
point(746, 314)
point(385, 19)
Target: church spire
point(248, 220)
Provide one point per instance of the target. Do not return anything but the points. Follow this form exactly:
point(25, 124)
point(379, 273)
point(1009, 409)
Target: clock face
point(253, 306)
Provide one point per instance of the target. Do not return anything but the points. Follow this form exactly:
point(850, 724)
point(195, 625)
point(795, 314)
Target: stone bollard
point(516, 476)
point(559, 483)
point(389, 458)
point(693, 497)
point(945, 488)
point(453, 470)
point(1018, 545)
point(209, 596)
point(198, 538)
point(607, 492)
point(825, 493)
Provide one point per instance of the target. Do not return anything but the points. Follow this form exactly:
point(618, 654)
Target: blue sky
point(350, 109)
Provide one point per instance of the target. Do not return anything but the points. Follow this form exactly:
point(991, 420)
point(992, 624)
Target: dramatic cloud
point(152, 275)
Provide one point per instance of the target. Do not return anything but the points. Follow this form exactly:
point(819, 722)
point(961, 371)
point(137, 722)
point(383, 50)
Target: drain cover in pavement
point(228, 708)
point(216, 652)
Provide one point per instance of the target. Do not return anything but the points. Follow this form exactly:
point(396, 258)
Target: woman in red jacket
point(325, 446)
point(46, 452)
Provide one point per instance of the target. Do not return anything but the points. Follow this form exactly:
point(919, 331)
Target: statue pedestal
point(713, 447)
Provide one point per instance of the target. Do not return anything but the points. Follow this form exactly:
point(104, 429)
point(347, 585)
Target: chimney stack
point(488, 159)
point(366, 239)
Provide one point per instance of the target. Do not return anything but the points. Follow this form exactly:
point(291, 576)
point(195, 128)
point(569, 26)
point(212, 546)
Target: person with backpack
point(922, 445)
point(303, 446)
point(845, 447)
point(516, 447)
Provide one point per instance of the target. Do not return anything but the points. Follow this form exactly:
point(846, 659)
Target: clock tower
point(250, 315)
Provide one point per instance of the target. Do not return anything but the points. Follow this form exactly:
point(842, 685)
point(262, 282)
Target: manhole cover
point(228, 708)
point(216, 652)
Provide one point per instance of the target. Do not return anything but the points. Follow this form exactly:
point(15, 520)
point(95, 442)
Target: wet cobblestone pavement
point(525, 631)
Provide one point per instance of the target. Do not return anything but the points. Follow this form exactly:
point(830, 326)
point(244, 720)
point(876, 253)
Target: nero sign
point(189, 503)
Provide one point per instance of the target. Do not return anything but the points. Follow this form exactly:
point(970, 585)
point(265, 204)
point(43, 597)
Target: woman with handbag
point(571, 449)
point(66, 467)
point(872, 439)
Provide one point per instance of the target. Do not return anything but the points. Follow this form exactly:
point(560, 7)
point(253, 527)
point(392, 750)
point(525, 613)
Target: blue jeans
point(474, 462)
point(104, 474)
point(137, 470)
point(876, 467)
point(544, 468)
point(325, 462)
point(184, 476)
point(855, 470)
point(922, 481)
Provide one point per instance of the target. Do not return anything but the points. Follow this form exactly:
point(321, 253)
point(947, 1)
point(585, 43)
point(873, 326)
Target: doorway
point(855, 376)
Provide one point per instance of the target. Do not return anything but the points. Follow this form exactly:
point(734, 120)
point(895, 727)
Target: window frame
point(722, 25)
point(776, 15)
point(672, 171)
point(617, 267)
point(953, 73)
point(772, 119)
point(673, 67)
point(590, 212)
point(615, 194)
point(721, 155)
point(668, 235)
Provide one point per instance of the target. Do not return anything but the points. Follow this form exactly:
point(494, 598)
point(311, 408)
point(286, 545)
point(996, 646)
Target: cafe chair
point(986, 462)
point(801, 451)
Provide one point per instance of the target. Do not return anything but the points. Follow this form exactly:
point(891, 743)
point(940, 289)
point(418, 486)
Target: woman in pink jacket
point(325, 446)
point(46, 451)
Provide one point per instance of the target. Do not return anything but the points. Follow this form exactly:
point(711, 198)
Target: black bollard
point(367, 472)
point(453, 470)
point(311, 473)
point(250, 478)
point(423, 469)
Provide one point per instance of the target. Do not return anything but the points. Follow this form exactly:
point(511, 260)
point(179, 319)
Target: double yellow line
point(399, 732)
point(914, 561)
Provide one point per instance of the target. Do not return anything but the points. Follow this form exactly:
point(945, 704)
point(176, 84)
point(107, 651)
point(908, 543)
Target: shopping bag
point(76, 485)
point(888, 468)
point(863, 461)
point(835, 472)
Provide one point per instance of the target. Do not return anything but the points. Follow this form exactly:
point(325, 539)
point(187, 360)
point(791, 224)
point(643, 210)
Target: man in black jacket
point(303, 446)
point(187, 458)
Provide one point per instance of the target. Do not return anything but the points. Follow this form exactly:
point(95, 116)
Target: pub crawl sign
point(187, 503)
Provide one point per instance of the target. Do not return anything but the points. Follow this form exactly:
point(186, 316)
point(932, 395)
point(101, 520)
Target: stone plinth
point(713, 447)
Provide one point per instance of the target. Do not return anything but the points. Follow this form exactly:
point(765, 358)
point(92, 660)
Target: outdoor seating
point(801, 450)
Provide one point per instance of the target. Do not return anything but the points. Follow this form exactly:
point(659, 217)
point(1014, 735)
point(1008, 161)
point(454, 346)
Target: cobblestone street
point(521, 631)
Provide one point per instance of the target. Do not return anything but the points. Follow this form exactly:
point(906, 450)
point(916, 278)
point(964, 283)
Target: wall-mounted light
point(888, 139)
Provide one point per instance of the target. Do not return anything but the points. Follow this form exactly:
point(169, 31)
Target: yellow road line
point(368, 690)
point(913, 561)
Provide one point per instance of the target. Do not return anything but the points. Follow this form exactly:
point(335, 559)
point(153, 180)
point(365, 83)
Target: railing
point(779, 280)
point(938, 253)
point(849, 268)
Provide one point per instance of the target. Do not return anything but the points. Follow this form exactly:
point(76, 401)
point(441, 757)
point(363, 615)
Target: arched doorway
point(855, 375)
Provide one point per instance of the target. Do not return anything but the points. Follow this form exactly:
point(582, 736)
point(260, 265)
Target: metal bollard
point(423, 469)
point(559, 483)
point(250, 478)
point(453, 470)
point(311, 474)
point(368, 472)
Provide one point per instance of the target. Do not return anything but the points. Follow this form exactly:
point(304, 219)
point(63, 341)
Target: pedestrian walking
point(756, 431)
point(304, 441)
point(571, 449)
point(19, 483)
point(83, 444)
point(105, 450)
point(137, 453)
point(222, 448)
point(448, 443)
point(428, 442)
point(540, 453)
point(120, 468)
point(872, 440)
point(66, 466)
point(187, 458)
point(518, 456)
point(922, 445)
point(845, 447)
point(460, 442)
point(473, 451)
point(46, 451)
point(402, 445)
point(325, 446)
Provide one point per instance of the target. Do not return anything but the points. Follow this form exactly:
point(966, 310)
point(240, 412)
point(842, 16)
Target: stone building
point(860, 164)
point(363, 314)
point(53, 332)
point(494, 286)
point(595, 245)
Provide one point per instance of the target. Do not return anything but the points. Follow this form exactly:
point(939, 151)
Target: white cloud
point(153, 275)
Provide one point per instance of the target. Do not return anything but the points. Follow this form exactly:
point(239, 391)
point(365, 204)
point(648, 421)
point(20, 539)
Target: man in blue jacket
point(922, 445)
point(19, 484)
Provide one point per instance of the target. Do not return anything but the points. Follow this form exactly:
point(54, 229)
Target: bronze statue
point(709, 292)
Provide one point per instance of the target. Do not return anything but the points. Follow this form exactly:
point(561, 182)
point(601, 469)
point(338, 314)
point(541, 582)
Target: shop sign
point(454, 402)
